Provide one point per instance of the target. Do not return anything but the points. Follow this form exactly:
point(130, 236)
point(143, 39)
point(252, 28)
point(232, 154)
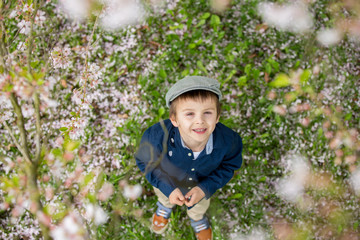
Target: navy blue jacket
point(167, 164)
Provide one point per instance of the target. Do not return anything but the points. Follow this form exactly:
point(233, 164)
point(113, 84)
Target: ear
point(173, 121)
point(217, 120)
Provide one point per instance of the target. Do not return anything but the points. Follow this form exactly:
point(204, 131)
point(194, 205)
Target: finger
point(181, 197)
point(179, 202)
point(189, 194)
point(190, 203)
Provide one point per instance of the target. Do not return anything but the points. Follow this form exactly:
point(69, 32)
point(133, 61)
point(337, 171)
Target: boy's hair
point(200, 95)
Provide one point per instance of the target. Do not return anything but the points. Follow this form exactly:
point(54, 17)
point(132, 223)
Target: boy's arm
point(223, 174)
point(148, 159)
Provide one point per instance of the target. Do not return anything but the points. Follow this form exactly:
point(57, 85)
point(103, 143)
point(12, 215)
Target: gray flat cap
point(192, 83)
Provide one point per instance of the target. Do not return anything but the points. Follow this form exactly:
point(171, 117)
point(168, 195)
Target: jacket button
point(193, 169)
point(170, 153)
point(189, 187)
point(172, 140)
point(189, 154)
point(190, 179)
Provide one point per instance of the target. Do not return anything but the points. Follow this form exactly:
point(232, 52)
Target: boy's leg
point(198, 211)
point(163, 199)
point(160, 218)
point(199, 222)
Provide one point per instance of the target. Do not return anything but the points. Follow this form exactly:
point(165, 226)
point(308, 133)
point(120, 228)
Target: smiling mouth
point(200, 130)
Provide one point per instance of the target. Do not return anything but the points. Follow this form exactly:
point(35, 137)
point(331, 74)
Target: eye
point(189, 114)
point(208, 113)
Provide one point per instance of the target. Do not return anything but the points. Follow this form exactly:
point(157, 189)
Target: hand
point(176, 197)
point(195, 195)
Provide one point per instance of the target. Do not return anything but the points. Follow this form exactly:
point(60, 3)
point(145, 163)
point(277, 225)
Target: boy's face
point(196, 121)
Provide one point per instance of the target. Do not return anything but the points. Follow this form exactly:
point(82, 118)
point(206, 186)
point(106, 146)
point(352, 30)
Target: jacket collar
point(209, 145)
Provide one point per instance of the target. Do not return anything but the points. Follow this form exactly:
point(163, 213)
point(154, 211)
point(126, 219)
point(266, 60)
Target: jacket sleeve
point(148, 159)
point(225, 171)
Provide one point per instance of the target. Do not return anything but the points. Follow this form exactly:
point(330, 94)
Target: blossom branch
point(31, 35)
point(21, 126)
point(16, 142)
point(38, 127)
point(2, 46)
point(87, 52)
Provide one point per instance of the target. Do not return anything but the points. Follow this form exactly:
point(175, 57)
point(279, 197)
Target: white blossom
point(329, 37)
point(120, 13)
point(132, 192)
point(70, 225)
point(292, 17)
point(355, 181)
point(77, 10)
point(255, 234)
point(25, 26)
point(291, 188)
point(58, 233)
point(95, 213)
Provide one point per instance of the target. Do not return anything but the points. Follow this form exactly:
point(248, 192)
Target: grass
point(245, 55)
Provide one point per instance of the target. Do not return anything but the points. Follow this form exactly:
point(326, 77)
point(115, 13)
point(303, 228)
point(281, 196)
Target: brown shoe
point(205, 234)
point(160, 218)
point(202, 229)
point(159, 224)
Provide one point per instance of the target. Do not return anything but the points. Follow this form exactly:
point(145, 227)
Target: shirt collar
point(209, 145)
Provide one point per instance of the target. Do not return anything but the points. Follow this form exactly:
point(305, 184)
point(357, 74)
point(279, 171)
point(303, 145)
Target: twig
point(2, 47)
point(86, 53)
point(16, 142)
point(31, 35)
point(38, 127)
point(21, 125)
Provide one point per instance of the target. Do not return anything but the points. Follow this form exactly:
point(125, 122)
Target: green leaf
point(161, 111)
point(305, 76)
point(56, 152)
point(265, 135)
point(221, 35)
point(155, 94)
point(263, 179)
point(230, 75)
point(202, 22)
point(162, 73)
point(348, 116)
point(205, 15)
point(180, 26)
point(87, 179)
point(200, 65)
point(70, 145)
point(40, 82)
point(185, 73)
point(242, 81)
point(192, 45)
point(291, 96)
point(63, 129)
point(236, 196)
point(281, 80)
point(268, 68)
point(215, 20)
point(39, 75)
point(247, 69)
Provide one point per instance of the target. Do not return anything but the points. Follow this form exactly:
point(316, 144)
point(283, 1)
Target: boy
point(189, 156)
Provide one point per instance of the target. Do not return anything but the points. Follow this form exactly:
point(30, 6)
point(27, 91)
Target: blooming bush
point(81, 80)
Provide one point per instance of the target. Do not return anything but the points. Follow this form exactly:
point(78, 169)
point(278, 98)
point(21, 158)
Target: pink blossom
point(105, 192)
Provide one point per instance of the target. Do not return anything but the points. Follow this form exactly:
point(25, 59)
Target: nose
point(199, 119)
